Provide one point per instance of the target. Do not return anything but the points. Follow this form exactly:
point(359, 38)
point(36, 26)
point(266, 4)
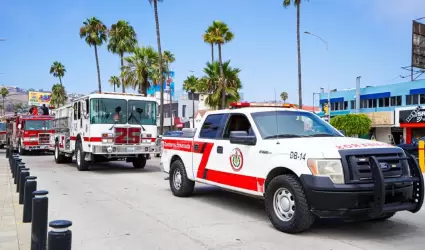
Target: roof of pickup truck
point(249, 110)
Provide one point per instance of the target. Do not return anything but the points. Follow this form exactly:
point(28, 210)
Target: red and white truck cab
point(32, 133)
point(298, 163)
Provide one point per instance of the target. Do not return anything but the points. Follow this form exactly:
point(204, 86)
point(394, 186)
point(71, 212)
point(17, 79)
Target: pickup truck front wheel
point(180, 185)
point(287, 205)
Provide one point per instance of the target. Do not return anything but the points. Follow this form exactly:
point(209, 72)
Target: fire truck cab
point(104, 127)
point(30, 133)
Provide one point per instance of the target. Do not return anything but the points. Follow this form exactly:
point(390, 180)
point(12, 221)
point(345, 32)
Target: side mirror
point(342, 132)
point(242, 137)
point(19, 126)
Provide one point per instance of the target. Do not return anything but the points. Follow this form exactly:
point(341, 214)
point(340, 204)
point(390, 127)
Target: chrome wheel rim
point(284, 204)
point(177, 179)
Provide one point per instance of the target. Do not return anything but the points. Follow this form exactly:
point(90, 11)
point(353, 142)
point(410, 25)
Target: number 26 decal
point(297, 155)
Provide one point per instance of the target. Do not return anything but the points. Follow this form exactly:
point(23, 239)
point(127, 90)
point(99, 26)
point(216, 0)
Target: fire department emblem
point(236, 159)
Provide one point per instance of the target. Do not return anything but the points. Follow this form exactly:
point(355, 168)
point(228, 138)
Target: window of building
point(353, 104)
point(184, 111)
point(396, 101)
point(412, 99)
point(422, 99)
point(384, 102)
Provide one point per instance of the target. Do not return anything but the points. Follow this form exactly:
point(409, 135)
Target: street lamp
point(329, 89)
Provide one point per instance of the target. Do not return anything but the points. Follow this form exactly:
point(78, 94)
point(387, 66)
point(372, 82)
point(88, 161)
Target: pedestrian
point(34, 110)
point(45, 109)
point(402, 141)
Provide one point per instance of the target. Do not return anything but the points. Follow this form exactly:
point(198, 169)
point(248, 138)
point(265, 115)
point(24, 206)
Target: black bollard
point(17, 161)
point(19, 166)
point(60, 237)
point(24, 173)
point(40, 207)
point(29, 188)
point(13, 165)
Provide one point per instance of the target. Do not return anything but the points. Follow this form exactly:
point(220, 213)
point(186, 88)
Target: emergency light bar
point(234, 105)
point(119, 93)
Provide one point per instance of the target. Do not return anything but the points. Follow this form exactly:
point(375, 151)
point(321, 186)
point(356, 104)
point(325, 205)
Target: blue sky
point(368, 38)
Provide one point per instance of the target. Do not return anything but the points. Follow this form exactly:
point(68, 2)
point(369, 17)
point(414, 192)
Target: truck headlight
point(331, 168)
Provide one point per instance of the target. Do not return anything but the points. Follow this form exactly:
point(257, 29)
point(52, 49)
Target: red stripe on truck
point(236, 180)
point(204, 160)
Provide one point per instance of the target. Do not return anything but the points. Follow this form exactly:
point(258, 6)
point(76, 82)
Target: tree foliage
point(58, 70)
point(58, 96)
point(352, 124)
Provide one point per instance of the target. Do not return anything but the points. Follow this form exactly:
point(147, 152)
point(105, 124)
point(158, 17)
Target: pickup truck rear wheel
point(180, 185)
point(287, 205)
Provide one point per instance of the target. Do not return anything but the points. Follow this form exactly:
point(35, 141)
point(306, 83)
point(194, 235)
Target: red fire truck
point(2, 134)
point(30, 133)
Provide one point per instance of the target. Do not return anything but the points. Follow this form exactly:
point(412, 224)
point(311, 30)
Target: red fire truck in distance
point(30, 133)
point(2, 134)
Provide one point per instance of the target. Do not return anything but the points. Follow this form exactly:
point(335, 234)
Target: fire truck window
point(79, 111)
point(87, 105)
point(37, 125)
point(142, 112)
point(108, 111)
point(75, 111)
point(238, 122)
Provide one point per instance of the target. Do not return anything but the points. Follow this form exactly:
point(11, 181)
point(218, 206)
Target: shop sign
point(412, 116)
point(381, 118)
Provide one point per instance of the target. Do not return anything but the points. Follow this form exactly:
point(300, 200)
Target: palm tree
point(208, 37)
point(158, 40)
point(212, 84)
point(4, 92)
point(284, 96)
point(191, 85)
point(222, 35)
point(169, 58)
point(58, 96)
point(58, 70)
point(141, 66)
point(94, 33)
point(115, 81)
point(297, 4)
point(122, 39)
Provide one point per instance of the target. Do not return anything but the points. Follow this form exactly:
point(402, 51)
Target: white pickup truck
point(299, 164)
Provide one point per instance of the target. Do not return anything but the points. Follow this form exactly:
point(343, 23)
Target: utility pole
point(358, 95)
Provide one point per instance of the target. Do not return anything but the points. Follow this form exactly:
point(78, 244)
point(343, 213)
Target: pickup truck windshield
point(290, 124)
point(38, 125)
point(141, 112)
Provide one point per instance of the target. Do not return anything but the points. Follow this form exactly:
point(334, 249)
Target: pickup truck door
point(237, 166)
point(205, 145)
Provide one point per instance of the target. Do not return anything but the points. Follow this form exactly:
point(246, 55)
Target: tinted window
point(211, 126)
point(238, 122)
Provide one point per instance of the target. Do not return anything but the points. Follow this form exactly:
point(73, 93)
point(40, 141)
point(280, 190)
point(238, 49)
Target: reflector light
point(252, 105)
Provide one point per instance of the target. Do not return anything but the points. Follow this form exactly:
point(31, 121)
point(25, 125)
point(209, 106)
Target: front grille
point(43, 139)
point(136, 149)
point(359, 167)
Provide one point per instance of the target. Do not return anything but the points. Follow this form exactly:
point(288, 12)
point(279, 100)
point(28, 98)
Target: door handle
point(219, 149)
point(196, 147)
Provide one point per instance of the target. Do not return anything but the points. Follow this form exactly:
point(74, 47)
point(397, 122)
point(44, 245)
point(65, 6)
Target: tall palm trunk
point(114, 87)
point(171, 101)
point(161, 81)
point(98, 69)
point(60, 80)
point(300, 95)
point(193, 109)
point(212, 52)
point(122, 75)
point(223, 90)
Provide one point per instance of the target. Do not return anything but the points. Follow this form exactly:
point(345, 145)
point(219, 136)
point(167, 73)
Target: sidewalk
point(14, 235)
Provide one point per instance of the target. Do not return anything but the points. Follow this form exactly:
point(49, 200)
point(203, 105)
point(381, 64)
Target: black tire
point(21, 151)
point(139, 162)
point(82, 164)
point(302, 218)
point(59, 158)
point(186, 186)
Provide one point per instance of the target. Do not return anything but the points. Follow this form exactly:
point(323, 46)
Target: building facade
point(395, 109)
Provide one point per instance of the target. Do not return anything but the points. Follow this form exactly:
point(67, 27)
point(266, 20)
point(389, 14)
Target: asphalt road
point(114, 206)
